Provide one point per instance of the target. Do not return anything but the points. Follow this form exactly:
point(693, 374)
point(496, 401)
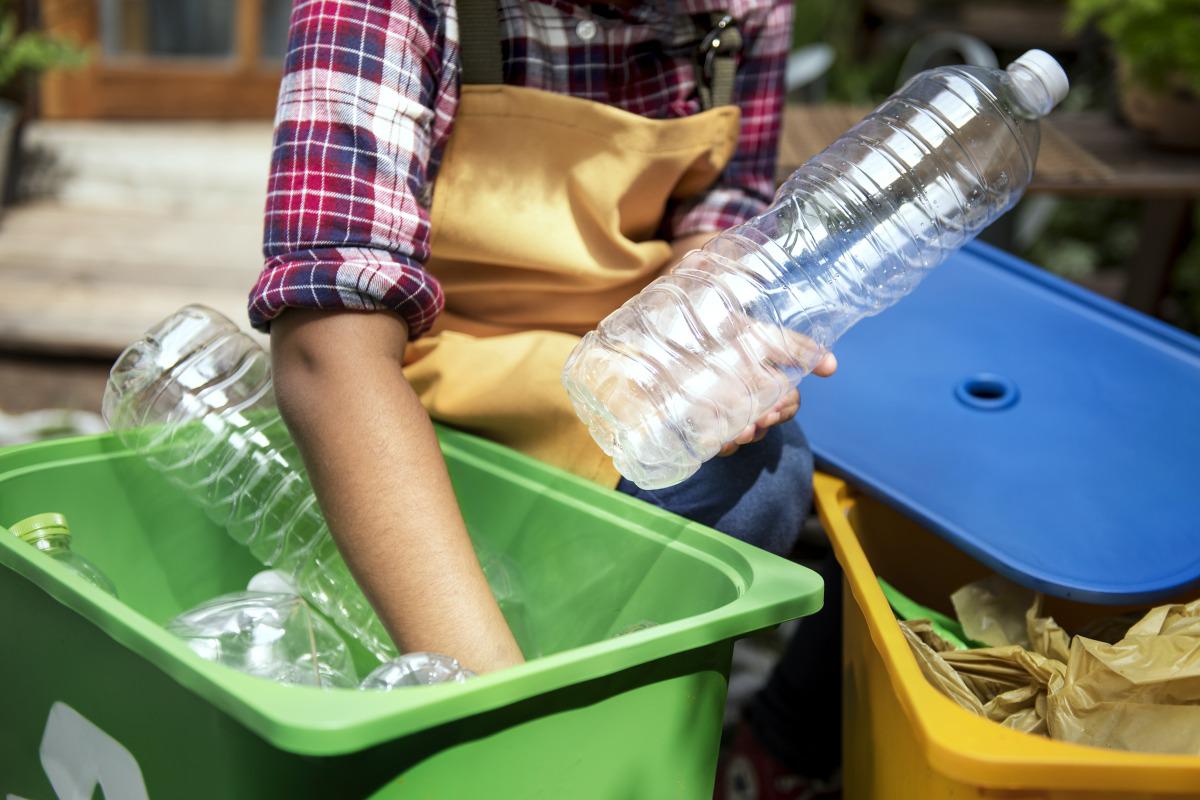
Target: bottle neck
point(50, 543)
point(1029, 91)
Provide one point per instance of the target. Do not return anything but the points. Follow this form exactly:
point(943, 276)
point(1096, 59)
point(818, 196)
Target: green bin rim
point(311, 721)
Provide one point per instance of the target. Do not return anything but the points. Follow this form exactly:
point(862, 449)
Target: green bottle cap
point(41, 526)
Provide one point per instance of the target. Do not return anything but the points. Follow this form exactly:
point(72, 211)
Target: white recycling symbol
point(78, 756)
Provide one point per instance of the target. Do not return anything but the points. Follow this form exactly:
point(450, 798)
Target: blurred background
point(135, 136)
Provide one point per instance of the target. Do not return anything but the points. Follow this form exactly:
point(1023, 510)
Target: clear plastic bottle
point(49, 533)
point(416, 669)
point(273, 635)
point(668, 378)
point(194, 397)
point(505, 579)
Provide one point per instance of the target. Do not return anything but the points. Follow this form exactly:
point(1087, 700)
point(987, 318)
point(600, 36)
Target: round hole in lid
point(987, 392)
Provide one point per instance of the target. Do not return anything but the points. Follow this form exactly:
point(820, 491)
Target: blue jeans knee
point(761, 494)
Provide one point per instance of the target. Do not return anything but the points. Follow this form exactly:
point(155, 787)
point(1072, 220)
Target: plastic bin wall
point(597, 717)
point(903, 740)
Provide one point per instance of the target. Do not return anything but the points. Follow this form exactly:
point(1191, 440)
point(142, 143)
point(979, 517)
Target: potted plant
point(22, 55)
point(1157, 46)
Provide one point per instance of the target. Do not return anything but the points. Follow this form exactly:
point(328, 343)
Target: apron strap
point(716, 60)
point(716, 55)
point(479, 41)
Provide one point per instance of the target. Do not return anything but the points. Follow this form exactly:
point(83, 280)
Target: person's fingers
point(782, 411)
point(826, 366)
point(745, 436)
point(767, 420)
point(796, 348)
point(791, 401)
point(774, 415)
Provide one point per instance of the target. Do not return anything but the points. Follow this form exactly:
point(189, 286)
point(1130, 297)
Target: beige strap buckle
point(717, 52)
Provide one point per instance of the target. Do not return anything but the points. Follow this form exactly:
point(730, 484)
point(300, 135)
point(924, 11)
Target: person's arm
point(377, 470)
point(365, 107)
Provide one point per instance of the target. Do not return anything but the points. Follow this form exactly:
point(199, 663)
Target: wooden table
point(1083, 154)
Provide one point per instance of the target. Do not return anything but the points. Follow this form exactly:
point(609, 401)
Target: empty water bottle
point(668, 378)
point(416, 669)
point(194, 397)
point(508, 587)
point(49, 533)
point(270, 635)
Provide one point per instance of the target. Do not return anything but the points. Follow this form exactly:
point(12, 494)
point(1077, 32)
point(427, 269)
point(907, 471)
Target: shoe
point(748, 772)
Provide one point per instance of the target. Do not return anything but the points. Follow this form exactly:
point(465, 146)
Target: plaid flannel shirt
point(367, 105)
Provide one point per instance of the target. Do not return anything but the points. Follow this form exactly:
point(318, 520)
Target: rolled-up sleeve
point(367, 100)
point(747, 184)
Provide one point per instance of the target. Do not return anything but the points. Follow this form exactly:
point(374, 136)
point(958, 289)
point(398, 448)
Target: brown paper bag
point(1140, 693)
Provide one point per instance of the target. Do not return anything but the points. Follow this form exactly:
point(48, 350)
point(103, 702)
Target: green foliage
point(1185, 285)
point(856, 76)
point(1158, 39)
point(1085, 235)
point(25, 53)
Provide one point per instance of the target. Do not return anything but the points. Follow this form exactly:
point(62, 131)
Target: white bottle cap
point(272, 581)
point(1051, 73)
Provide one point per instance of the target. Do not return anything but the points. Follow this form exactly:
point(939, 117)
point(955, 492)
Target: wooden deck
point(87, 282)
point(135, 221)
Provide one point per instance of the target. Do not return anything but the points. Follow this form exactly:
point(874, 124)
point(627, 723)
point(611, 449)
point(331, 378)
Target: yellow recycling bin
point(902, 739)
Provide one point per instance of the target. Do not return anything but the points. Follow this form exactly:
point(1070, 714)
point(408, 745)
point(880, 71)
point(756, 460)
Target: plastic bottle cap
point(39, 525)
point(272, 581)
point(1047, 68)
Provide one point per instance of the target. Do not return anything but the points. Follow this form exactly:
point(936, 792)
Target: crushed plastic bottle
point(508, 587)
point(272, 580)
point(416, 669)
point(681, 368)
point(194, 397)
point(50, 534)
point(274, 635)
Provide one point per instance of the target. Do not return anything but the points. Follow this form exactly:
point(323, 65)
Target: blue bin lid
point(1049, 432)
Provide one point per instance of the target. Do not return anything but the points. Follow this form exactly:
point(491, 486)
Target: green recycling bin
point(95, 692)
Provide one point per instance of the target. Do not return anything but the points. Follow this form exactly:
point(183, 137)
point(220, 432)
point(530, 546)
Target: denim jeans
point(760, 494)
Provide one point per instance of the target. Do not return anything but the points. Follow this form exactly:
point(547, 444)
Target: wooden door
point(164, 59)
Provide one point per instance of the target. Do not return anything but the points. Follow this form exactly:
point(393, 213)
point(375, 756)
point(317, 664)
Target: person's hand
point(794, 350)
point(782, 411)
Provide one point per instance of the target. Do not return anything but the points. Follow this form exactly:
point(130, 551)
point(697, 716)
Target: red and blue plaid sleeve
point(368, 92)
point(747, 184)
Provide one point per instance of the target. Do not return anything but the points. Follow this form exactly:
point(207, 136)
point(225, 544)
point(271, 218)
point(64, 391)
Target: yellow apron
point(543, 220)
